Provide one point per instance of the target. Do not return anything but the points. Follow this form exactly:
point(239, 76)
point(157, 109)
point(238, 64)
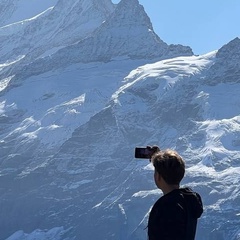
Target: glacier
point(81, 85)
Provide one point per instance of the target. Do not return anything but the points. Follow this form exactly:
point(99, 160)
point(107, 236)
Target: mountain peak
point(129, 11)
point(77, 19)
point(84, 5)
point(19, 10)
point(126, 32)
point(230, 50)
point(229, 57)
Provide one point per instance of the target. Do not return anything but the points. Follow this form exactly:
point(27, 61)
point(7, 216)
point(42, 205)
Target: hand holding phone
point(146, 152)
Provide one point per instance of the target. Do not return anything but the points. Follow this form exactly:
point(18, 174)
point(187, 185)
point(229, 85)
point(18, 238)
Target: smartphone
point(143, 152)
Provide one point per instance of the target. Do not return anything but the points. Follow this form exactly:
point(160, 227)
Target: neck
point(168, 188)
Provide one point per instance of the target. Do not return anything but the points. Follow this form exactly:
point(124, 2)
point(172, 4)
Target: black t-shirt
point(174, 216)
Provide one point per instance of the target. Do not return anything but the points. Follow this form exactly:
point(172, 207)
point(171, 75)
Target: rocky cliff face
point(229, 57)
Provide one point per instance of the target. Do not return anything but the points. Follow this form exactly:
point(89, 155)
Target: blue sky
point(204, 25)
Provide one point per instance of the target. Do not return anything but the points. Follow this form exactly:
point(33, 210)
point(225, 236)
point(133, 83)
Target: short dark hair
point(170, 165)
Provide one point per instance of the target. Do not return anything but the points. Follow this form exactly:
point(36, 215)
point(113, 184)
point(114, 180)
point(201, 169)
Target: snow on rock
point(19, 10)
point(36, 36)
point(52, 234)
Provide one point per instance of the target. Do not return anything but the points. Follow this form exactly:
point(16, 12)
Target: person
point(174, 215)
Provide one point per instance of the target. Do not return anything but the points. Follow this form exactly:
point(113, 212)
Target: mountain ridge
point(114, 43)
point(34, 39)
point(19, 10)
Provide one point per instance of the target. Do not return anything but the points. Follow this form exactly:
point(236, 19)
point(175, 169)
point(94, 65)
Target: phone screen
point(142, 152)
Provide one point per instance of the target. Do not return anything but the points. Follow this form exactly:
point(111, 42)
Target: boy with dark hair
point(174, 215)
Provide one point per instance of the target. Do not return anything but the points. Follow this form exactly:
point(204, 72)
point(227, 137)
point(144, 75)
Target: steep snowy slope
point(18, 10)
point(50, 31)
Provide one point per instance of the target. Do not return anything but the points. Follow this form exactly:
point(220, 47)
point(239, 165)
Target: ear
point(157, 176)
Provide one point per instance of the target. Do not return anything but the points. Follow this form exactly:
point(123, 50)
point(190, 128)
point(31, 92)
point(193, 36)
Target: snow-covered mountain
point(18, 10)
point(83, 85)
point(49, 31)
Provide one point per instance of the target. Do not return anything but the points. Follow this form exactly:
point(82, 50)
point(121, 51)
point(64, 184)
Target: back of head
point(170, 165)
